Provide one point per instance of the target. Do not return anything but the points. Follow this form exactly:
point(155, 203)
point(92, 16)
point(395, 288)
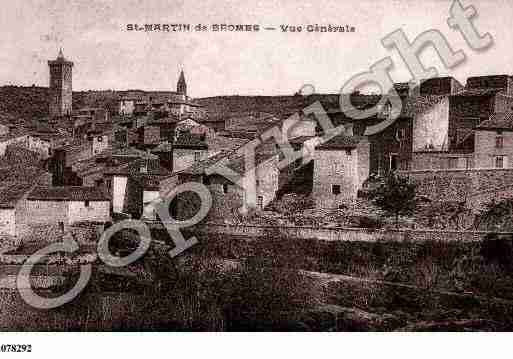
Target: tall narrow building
point(181, 86)
point(60, 86)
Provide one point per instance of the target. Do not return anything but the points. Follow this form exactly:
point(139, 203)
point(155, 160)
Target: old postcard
point(270, 166)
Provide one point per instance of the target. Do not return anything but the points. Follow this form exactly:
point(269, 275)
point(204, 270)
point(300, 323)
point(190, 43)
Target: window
point(225, 188)
point(499, 141)
point(335, 189)
point(86, 203)
point(348, 152)
point(257, 182)
point(499, 162)
point(197, 156)
point(206, 181)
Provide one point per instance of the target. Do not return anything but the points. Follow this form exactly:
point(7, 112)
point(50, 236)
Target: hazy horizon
point(93, 35)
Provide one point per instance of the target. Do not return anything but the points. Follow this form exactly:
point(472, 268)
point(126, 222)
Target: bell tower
point(181, 86)
point(60, 86)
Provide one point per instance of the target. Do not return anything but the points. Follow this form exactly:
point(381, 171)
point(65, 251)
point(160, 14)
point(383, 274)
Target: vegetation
point(496, 216)
point(395, 196)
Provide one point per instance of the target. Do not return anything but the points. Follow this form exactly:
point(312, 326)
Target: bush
point(498, 250)
point(267, 285)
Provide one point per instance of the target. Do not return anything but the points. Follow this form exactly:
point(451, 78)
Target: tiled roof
point(68, 193)
point(163, 147)
point(168, 119)
point(130, 152)
point(200, 167)
point(189, 140)
point(219, 143)
point(88, 167)
point(19, 172)
point(133, 168)
point(503, 120)
point(235, 161)
point(12, 192)
point(340, 142)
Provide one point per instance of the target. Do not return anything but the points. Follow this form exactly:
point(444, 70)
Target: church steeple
point(181, 86)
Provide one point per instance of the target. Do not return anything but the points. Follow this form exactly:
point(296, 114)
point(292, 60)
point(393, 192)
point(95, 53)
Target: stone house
point(435, 126)
point(134, 185)
point(65, 157)
point(190, 126)
point(443, 131)
point(91, 115)
point(127, 105)
point(12, 215)
point(67, 205)
point(91, 170)
point(188, 149)
point(341, 165)
point(164, 152)
point(229, 199)
point(493, 143)
point(177, 103)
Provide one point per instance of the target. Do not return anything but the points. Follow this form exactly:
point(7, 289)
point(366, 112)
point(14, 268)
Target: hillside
point(32, 102)
point(221, 107)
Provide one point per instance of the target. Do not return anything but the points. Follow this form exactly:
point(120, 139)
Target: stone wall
point(474, 186)
point(441, 160)
point(345, 234)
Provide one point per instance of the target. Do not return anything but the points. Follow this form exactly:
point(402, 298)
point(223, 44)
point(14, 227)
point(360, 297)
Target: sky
point(92, 33)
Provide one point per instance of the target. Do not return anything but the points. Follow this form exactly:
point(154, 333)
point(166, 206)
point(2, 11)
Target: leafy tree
point(496, 215)
point(395, 196)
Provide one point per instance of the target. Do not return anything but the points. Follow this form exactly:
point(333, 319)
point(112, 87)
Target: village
point(91, 165)
point(75, 172)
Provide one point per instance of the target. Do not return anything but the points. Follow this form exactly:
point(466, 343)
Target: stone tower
point(60, 86)
point(181, 86)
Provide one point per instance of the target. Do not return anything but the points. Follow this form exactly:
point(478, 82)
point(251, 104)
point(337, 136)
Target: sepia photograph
point(254, 166)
